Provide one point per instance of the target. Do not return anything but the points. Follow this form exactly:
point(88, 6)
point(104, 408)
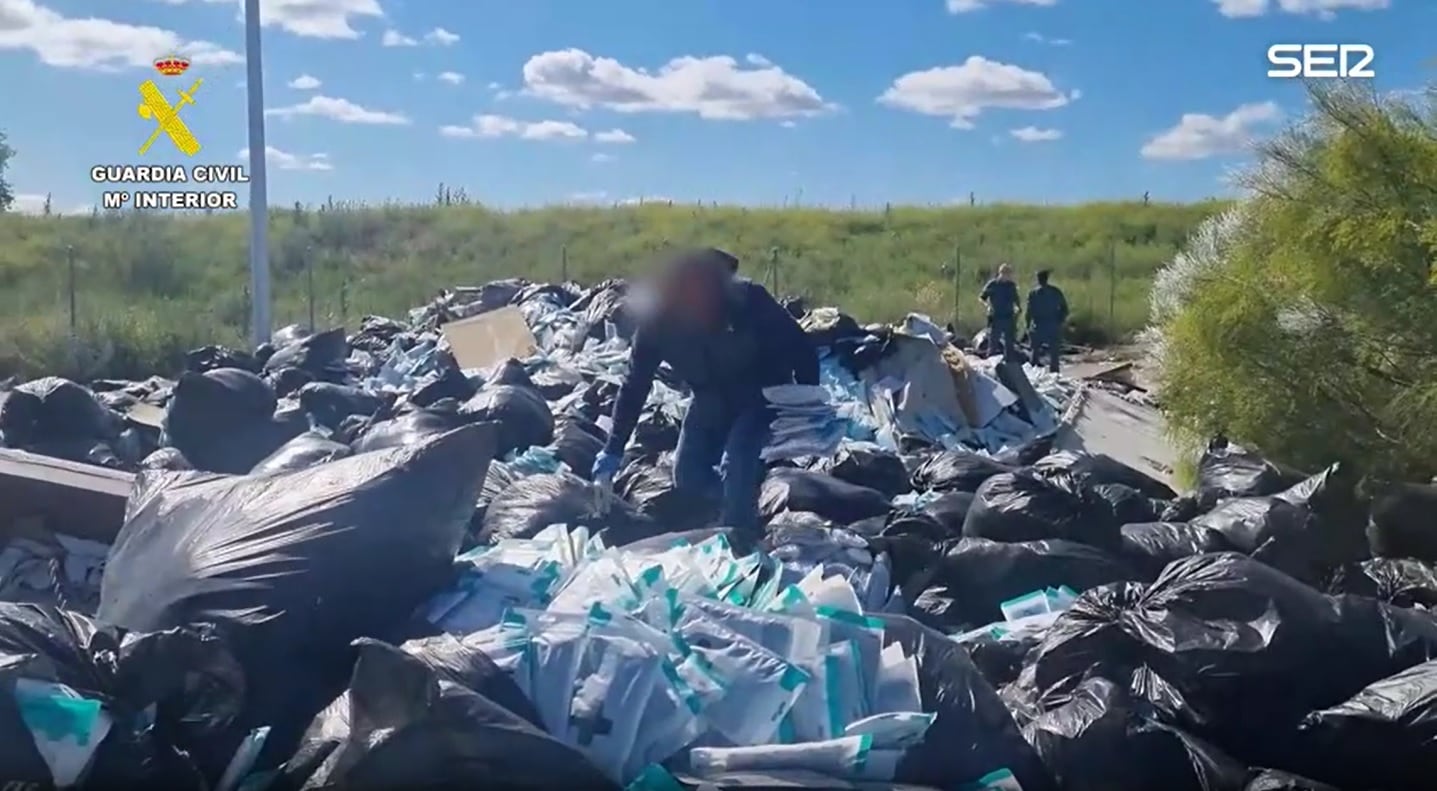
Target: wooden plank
point(67, 497)
point(1125, 431)
point(490, 338)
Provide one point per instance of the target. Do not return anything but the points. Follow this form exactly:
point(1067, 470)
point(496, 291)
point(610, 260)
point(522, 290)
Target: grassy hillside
point(144, 287)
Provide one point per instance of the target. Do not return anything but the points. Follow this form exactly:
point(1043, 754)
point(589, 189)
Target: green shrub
point(1306, 323)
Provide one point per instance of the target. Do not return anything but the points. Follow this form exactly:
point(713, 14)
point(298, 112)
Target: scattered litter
point(377, 560)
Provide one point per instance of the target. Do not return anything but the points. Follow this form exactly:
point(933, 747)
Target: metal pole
point(260, 323)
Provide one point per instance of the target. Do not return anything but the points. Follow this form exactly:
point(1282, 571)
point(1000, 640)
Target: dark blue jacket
point(760, 346)
point(1002, 298)
point(1047, 307)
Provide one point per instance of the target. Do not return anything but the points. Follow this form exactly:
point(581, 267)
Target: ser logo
point(1320, 61)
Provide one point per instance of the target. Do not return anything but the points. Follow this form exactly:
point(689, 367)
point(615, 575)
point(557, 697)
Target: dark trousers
point(1002, 335)
point(1046, 340)
point(733, 433)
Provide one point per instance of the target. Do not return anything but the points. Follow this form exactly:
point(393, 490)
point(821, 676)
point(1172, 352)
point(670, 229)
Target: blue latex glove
point(606, 465)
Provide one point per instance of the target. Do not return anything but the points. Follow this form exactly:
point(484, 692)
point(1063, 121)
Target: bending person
point(727, 338)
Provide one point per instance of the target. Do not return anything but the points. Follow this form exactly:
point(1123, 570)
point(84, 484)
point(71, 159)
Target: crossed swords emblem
point(167, 117)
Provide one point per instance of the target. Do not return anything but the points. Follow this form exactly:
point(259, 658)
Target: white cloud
point(305, 82)
point(451, 77)
point(441, 37)
point(715, 88)
point(1032, 134)
point(1052, 42)
point(341, 110)
point(494, 86)
point(1199, 136)
point(309, 18)
point(497, 126)
point(28, 203)
point(287, 161)
point(965, 6)
point(1322, 9)
point(962, 93)
point(393, 38)
point(93, 43)
point(788, 124)
point(616, 136)
point(593, 196)
point(601, 158)
point(642, 199)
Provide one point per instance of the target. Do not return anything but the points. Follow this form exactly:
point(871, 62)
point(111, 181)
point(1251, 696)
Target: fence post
point(957, 282)
point(70, 286)
point(1112, 287)
point(344, 301)
point(773, 270)
point(309, 274)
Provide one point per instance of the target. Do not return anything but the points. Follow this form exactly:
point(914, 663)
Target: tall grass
point(146, 287)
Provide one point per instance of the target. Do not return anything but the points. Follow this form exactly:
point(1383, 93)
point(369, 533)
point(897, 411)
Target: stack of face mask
point(690, 652)
point(805, 422)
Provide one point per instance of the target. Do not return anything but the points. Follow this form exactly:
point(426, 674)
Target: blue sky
point(526, 102)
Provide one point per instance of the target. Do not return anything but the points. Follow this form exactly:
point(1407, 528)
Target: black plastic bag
point(1101, 740)
point(531, 504)
point(1125, 504)
point(321, 355)
point(1221, 628)
point(1074, 470)
point(649, 486)
point(975, 575)
point(329, 404)
point(1027, 453)
point(973, 734)
point(1019, 506)
point(1230, 471)
point(292, 567)
point(223, 420)
point(1248, 522)
point(1275, 780)
point(509, 372)
point(304, 451)
point(194, 684)
point(1151, 546)
point(1305, 530)
point(814, 492)
point(950, 511)
point(208, 358)
point(407, 723)
point(289, 381)
point(1385, 736)
point(288, 334)
point(957, 470)
point(1401, 522)
point(575, 446)
point(523, 416)
point(410, 428)
point(377, 333)
point(54, 409)
point(166, 459)
point(1398, 581)
point(873, 468)
point(450, 383)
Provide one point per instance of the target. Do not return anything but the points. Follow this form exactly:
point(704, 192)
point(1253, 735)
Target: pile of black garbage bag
point(257, 623)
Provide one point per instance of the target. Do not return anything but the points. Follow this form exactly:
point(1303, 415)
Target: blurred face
point(689, 297)
point(1005, 272)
